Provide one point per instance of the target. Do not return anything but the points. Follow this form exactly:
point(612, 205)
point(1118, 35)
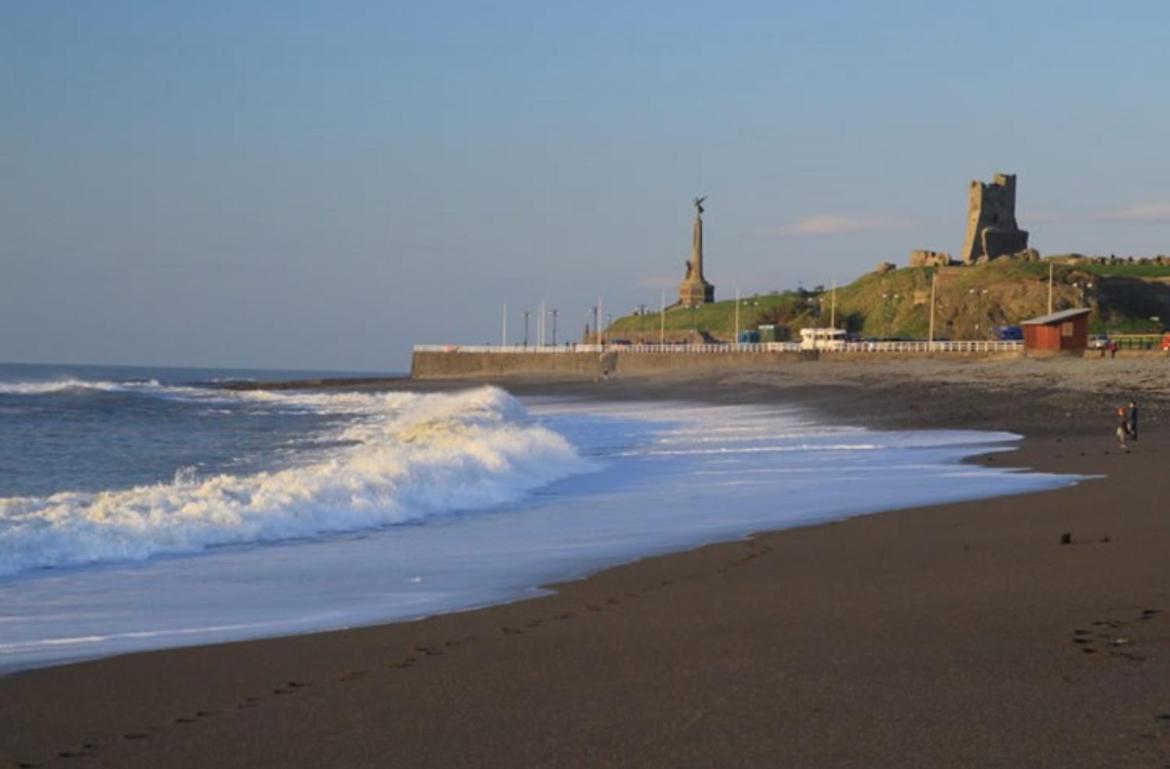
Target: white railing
point(511, 348)
point(958, 346)
point(826, 346)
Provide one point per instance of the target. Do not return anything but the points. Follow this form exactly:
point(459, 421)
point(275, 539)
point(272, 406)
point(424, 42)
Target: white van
point(822, 339)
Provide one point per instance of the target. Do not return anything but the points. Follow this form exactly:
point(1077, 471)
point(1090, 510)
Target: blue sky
point(320, 185)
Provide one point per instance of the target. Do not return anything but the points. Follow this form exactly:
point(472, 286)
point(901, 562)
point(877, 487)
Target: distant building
point(1066, 331)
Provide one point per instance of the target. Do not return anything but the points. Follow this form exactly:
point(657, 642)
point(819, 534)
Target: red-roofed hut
point(1066, 331)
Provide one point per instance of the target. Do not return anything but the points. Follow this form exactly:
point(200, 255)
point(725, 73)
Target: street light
point(745, 303)
point(887, 297)
point(978, 293)
point(527, 314)
point(1083, 289)
point(553, 312)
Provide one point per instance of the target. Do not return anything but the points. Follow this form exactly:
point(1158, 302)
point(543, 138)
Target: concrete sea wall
point(458, 364)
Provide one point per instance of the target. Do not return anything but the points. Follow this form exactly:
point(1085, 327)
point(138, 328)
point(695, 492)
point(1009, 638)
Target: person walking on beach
point(1122, 427)
point(1133, 420)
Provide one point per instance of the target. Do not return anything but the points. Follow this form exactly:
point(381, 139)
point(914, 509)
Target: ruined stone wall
point(992, 229)
point(923, 258)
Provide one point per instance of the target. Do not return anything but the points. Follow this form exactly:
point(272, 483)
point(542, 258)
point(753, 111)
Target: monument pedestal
point(693, 293)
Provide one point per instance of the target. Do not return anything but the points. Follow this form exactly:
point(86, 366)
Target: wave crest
point(408, 457)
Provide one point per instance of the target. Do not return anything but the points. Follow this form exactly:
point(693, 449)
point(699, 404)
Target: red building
point(1066, 331)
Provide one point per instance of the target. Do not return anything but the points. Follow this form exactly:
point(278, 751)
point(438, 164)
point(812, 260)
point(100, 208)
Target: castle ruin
point(924, 258)
point(992, 230)
point(695, 290)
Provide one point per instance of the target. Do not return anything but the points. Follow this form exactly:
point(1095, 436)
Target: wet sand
point(956, 635)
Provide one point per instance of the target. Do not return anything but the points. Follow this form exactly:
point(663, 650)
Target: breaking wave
point(146, 387)
point(68, 385)
point(404, 457)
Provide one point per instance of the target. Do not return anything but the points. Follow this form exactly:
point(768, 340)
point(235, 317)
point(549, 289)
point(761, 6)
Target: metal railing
point(956, 346)
point(976, 346)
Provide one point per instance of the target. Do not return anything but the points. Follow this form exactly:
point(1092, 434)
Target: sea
point(143, 508)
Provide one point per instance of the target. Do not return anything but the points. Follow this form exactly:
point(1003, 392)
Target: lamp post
point(738, 304)
point(978, 294)
point(527, 314)
point(662, 319)
point(596, 328)
point(553, 312)
point(1083, 289)
point(735, 341)
point(887, 298)
point(833, 308)
point(930, 339)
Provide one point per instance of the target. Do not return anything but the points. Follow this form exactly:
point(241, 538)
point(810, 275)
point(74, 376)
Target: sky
point(320, 185)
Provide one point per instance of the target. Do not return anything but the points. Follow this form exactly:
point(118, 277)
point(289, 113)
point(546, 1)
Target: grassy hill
point(970, 302)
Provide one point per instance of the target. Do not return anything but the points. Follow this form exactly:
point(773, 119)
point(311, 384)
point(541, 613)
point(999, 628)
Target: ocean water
point(149, 508)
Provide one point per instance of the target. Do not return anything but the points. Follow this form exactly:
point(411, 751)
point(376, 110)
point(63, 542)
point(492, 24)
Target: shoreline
point(651, 604)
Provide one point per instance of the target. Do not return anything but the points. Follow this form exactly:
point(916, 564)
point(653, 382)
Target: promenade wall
point(459, 364)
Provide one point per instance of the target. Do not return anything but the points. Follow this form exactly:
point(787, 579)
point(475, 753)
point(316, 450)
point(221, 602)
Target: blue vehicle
point(750, 336)
point(1009, 333)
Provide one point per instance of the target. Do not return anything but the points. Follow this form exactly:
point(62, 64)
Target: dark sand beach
point(957, 635)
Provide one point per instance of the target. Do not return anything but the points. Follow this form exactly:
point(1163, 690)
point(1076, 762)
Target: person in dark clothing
point(1122, 428)
point(1133, 420)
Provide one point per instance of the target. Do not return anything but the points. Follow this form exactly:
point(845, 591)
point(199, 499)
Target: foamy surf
point(408, 457)
point(664, 477)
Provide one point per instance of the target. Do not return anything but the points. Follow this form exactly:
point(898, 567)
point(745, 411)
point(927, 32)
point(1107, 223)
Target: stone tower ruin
point(991, 221)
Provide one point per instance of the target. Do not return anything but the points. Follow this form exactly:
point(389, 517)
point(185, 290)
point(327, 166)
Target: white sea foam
point(149, 387)
point(55, 386)
point(409, 456)
point(650, 495)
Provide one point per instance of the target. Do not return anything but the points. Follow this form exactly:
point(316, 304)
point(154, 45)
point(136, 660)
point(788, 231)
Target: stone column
point(697, 249)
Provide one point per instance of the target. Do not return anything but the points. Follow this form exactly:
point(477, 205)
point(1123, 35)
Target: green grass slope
point(969, 302)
